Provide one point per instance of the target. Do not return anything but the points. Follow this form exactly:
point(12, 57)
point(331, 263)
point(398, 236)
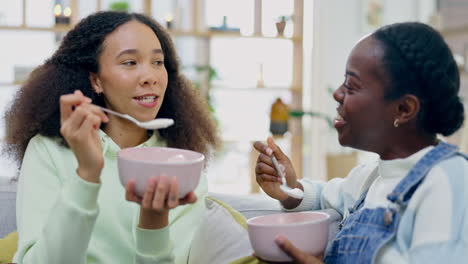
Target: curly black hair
point(418, 61)
point(35, 108)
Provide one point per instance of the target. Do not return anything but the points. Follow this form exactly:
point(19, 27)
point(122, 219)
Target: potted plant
point(210, 74)
point(281, 24)
point(122, 6)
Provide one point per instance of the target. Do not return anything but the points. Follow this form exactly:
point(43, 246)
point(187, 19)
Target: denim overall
point(364, 232)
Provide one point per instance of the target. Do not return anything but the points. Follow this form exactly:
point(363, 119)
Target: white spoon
point(294, 193)
point(157, 123)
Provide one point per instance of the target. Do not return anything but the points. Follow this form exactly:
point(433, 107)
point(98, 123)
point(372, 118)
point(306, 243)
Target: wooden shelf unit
point(175, 33)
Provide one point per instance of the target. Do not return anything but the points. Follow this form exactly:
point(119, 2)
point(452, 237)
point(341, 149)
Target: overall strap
point(464, 155)
point(406, 187)
point(367, 183)
point(359, 202)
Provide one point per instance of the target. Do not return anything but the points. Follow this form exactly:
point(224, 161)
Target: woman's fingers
point(148, 195)
point(130, 192)
point(173, 201)
point(85, 109)
point(74, 124)
point(268, 178)
point(289, 248)
point(265, 159)
point(299, 256)
point(265, 172)
point(269, 148)
point(264, 168)
point(262, 148)
point(161, 192)
point(190, 198)
point(75, 109)
point(277, 150)
point(98, 112)
point(69, 101)
point(91, 122)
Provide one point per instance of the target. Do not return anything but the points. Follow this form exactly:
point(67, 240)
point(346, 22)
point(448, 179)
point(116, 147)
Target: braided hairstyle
point(36, 110)
point(419, 62)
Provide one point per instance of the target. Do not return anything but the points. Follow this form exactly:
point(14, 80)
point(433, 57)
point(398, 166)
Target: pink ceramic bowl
point(308, 231)
point(145, 162)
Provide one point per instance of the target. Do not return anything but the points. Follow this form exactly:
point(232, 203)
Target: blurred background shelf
point(174, 33)
point(209, 34)
point(30, 28)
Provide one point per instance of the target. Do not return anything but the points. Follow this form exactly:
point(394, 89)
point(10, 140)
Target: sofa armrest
point(249, 205)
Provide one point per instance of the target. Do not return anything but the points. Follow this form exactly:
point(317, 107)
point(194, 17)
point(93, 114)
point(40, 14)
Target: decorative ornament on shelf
point(280, 114)
point(279, 118)
point(62, 18)
point(460, 59)
point(169, 20)
point(281, 24)
point(260, 82)
point(225, 27)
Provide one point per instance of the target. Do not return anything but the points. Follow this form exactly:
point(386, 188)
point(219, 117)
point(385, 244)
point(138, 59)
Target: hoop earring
point(395, 123)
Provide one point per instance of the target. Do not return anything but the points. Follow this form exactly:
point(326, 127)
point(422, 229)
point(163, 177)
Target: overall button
point(388, 217)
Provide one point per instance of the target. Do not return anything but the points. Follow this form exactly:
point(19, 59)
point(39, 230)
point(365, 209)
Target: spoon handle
point(119, 114)
point(111, 112)
point(278, 169)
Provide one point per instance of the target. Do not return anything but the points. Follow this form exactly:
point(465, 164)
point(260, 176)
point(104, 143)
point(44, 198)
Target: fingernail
point(88, 100)
point(269, 151)
point(282, 167)
point(279, 241)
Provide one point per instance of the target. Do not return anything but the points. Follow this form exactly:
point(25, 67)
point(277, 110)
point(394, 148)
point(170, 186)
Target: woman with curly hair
point(411, 206)
point(71, 207)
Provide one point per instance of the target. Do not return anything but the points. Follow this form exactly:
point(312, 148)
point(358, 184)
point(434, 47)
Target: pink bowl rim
point(250, 224)
point(185, 162)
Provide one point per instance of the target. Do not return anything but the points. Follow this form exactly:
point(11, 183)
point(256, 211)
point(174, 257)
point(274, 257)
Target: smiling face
point(132, 76)
point(365, 118)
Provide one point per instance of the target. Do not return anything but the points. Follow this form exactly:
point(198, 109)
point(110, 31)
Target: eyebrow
point(353, 74)
point(134, 51)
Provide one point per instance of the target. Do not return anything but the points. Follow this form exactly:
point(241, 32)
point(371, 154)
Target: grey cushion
point(7, 206)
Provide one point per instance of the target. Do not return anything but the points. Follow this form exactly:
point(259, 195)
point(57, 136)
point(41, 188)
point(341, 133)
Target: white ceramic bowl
point(308, 231)
point(144, 162)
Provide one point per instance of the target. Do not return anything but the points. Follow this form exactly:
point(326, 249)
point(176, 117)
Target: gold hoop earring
point(395, 123)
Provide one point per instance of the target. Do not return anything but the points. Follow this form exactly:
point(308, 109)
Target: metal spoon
point(154, 124)
point(294, 193)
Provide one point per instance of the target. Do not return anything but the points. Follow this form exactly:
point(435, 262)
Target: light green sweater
point(64, 219)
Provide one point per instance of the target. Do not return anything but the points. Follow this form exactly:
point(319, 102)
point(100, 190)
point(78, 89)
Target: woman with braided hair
point(71, 207)
point(411, 206)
